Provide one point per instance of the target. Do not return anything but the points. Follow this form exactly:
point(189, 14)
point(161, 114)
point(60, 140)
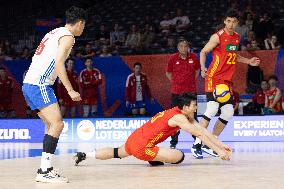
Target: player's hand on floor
point(227, 148)
point(75, 96)
point(224, 155)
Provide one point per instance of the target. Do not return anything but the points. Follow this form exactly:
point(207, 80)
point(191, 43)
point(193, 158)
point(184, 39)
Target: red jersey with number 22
point(223, 65)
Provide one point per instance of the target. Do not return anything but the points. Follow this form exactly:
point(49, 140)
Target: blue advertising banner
point(242, 128)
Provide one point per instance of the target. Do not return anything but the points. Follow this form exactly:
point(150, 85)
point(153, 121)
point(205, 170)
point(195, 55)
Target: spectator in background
point(271, 43)
point(26, 55)
point(243, 30)
point(171, 45)
point(264, 26)
point(90, 80)
point(273, 97)
point(249, 21)
point(248, 41)
point(88, 52)
point(67, 105)
point(137, 91)
point(102, 34)
point(182, 71)
point(117, 37)
point(181, 22)
point(166, 24)
point(259, 97)
point(253, 46)
point(6, 91)
point(148, 36)
point(133, 39)
point(255, 107)
point(105, 52)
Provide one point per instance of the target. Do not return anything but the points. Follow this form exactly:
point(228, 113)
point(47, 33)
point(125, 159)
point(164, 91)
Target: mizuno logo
point(8, 134)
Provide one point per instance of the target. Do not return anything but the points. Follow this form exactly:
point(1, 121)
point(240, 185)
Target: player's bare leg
point(142, 111)
point(218, 128)
point(102, 154)
point(211, 110)
point(135, 111)
point(51, 116)
point(168, 155)
point(72, 111)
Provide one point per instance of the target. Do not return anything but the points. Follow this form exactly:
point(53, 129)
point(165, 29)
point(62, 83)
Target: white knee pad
point(211, 109)
point(227, 112)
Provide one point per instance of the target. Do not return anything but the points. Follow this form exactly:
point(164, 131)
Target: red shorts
point(137, 146)
point(210, 84)
point(90, 101)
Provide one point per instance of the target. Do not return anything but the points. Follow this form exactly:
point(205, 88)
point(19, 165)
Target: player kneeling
point(142, 142)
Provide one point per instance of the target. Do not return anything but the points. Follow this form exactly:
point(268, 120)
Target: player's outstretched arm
point(251, 61)
point(65, 45)
point(212, 43)
point(195, 129)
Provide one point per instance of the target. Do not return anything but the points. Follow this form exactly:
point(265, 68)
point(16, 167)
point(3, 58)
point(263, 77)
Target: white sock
point(197, 141)
point(46, 160)
point(91, 154)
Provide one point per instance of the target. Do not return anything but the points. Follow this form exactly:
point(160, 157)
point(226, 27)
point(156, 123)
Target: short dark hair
point(186, 99)
point(74, 15)
point(88, 58)
point(182, 40)
point(273, 77)
point(137, 64)
point(70, 59)
point(232, 13)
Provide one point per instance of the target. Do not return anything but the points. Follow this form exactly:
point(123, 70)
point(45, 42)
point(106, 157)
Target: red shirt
point(89, 82)
point(223, 65)
point(62, 92)
point(130, 90)
point(157, 129)
point(183, 73)
point(259, 97)
point(6, 89)
point(271, 94)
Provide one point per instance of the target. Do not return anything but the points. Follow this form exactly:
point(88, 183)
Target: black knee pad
point(49, 144)
point(115, 153)
point(181, 160)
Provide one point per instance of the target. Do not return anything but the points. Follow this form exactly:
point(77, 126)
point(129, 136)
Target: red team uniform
point(142, 142)
point(223, 65)
point(90, 91)
point(6, 90)
point(62, 92)
point(271, 94)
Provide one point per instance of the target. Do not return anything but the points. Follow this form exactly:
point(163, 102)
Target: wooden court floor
point(250, 168)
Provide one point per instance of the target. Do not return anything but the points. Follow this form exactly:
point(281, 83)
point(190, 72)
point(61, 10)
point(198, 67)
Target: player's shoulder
point(174, 56)
point(130, 75)
point(220, 32)
point(96, 70)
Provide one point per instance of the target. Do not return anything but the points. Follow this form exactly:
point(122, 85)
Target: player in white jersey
point(48, 63)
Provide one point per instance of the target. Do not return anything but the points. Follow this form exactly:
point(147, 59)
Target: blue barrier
point(246, 128)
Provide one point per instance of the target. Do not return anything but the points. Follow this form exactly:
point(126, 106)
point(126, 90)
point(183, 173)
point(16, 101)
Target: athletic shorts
point(38, 97)
point(137, 147)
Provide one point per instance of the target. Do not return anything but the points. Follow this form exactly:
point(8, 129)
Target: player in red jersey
point(90, 80)
point(224, 44)
point(67, 105)
point(142, 143)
